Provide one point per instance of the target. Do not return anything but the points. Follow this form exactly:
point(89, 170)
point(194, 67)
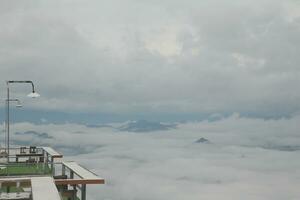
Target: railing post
point(83, 192)
point(47, 159)
point(74, 192)
point(63, 169)
point(71, 174)
point(52, 166)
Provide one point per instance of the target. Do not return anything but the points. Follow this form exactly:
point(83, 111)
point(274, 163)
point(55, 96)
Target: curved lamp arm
point(33, 94)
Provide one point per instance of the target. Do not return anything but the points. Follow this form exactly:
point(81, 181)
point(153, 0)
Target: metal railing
point(25, 161)
point(38, 162)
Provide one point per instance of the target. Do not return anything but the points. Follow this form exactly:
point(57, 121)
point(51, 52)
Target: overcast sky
point(171, 59)
point(160, 57)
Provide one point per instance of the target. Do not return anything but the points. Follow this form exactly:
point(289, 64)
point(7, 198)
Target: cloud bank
point(244, 159)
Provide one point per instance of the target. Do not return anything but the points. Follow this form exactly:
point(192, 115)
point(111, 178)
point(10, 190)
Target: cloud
point(170, 165)
point(167, 57)
point(154, 57)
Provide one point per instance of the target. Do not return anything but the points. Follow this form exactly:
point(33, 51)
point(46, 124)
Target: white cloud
point(244, 161)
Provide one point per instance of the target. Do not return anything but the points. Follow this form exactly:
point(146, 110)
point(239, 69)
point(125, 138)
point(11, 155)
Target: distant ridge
point(36, 134)
point(145, 126)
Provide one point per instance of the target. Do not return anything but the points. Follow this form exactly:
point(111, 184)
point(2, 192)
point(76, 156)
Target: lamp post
point(19, 105)
point(33, 94)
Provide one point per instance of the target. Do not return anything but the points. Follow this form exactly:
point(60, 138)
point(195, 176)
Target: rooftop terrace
point(29, 173)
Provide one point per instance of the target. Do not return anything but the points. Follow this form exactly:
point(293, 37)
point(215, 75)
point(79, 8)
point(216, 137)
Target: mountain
point(36, 134)
point(98, 126)
point(282, 147)
point(145, 126)
point(203, 140)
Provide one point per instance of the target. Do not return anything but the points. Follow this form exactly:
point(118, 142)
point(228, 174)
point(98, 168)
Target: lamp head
point(33, 95)
point(19, 105)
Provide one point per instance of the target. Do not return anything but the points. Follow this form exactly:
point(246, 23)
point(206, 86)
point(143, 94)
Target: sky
point(135, 59)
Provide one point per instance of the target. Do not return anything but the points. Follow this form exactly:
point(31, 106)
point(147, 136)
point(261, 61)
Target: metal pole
point(5, 128)
point(83, 192)
point(7, 83)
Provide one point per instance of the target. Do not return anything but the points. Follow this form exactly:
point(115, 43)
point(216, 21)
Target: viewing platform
point(29, 173)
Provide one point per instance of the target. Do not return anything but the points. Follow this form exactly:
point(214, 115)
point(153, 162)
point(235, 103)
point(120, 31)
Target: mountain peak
point(203, 140)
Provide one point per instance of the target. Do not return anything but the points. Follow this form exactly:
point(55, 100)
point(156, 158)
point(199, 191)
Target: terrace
point(31, 172)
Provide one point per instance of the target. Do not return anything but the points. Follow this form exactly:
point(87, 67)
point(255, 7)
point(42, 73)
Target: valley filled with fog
point(229, 158)
point(190, 63)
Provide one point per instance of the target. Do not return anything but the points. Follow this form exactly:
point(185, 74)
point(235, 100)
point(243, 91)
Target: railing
point(25, 161)
point(18, 169)
point(72, 192)
point(15, 189)
point(25, 154)
point(33, 161)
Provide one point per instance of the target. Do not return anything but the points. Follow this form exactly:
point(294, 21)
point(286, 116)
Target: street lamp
point(18, 105)
point(33, 94)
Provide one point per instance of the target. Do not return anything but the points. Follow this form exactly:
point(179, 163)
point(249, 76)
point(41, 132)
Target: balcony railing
point(36, 163)
point(19, 169)
point(26, 161)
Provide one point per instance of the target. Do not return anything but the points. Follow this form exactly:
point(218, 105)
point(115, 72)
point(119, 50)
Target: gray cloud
point(160, 57)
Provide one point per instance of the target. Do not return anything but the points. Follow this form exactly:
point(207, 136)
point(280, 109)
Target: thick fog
point(237, 158)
